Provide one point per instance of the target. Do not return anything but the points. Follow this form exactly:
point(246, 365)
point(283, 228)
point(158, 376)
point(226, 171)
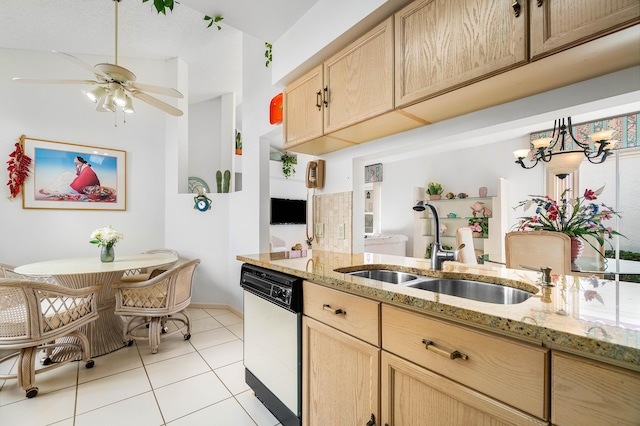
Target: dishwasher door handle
point(338, 311)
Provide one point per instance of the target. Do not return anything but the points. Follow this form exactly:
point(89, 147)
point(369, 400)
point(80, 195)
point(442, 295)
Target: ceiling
point(87, 27)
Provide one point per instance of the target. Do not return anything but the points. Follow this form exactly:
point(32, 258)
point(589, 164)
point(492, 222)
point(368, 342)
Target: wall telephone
point(315, 174)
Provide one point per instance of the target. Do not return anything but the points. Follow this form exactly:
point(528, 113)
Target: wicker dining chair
point(152, 304)
point(37, 316)
point(142, 274)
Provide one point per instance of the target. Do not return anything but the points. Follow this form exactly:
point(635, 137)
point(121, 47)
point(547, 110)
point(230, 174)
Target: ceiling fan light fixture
point(128, 108)
point(96, 94)
point(119, 98)
point(107, 104)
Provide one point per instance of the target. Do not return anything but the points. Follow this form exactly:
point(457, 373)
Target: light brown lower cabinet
point(412, 395)
point(340, 377)
point(586, 392)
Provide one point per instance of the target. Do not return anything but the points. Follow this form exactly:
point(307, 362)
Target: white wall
point(63, 113)
point(204, 141)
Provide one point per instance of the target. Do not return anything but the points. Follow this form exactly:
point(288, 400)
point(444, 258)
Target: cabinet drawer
point(587, 392)
point(354, 315)
point(511, 372)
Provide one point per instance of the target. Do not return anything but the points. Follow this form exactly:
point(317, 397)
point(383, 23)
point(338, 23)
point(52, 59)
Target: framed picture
point(70, 176)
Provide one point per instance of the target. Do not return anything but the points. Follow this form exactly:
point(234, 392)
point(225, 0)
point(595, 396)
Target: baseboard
point(216, 306)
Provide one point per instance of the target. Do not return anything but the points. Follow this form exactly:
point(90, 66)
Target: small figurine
point(450, 195)
point(479, 207)
point(462, 195)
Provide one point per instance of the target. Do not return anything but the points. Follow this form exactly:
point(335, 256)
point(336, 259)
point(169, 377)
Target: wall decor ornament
point(73, 176)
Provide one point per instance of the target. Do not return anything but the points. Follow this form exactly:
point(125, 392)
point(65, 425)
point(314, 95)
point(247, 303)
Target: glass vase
point(577, 246)
point(107, 254)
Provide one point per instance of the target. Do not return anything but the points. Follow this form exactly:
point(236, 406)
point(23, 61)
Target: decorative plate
point(195, 184)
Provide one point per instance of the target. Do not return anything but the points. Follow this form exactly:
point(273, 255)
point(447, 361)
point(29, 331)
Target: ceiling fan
point(116, 85)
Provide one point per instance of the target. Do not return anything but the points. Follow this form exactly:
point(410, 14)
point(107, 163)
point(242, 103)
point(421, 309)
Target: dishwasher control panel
point(282, 289)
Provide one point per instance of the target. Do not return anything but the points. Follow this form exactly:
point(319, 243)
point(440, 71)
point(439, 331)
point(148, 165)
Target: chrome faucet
point(438, 254)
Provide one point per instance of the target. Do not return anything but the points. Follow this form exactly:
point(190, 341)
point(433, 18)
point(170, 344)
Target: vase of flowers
point(106, 238)
point(576, 217)
point(479, 226)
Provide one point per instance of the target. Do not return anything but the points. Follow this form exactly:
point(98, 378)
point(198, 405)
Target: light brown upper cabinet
point(442, 45)
point(302, 107)
point(352, 86)
point(561, 24)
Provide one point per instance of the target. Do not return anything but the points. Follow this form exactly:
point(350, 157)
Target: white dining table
point(105, 333)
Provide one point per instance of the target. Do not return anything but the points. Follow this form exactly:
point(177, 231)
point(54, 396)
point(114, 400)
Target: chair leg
point(27, 370)
point(155, 327)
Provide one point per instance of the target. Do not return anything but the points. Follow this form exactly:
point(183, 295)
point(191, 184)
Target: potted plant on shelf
point(287, 164)
point(576, 217)
point(434, 190)
point(479, 226)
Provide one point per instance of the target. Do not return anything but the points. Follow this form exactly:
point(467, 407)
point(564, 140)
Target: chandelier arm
point(519, 161)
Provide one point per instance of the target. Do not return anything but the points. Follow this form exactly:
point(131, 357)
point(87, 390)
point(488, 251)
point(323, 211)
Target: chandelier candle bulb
point(521, 153)
point(603, 135)
point(541, 143)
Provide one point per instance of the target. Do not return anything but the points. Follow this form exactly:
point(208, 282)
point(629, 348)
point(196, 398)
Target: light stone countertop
point(584, 315)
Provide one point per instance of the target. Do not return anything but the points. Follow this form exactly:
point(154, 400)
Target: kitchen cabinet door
point(302, 106)
point(585, 392)
point(560, 24)
point(441, 45)
point(412, 395)
point(340, 377)
point(359, 79)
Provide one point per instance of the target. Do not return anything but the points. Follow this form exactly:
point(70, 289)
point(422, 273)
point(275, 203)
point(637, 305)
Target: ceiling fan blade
point(156, 89)
point(80, 62)
point(33, 80)
point(157, 103)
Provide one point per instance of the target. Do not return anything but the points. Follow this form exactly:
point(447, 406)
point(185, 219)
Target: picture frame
point(74, 177)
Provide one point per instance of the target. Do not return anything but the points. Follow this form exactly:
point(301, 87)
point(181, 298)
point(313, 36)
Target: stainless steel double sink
point(467, 289)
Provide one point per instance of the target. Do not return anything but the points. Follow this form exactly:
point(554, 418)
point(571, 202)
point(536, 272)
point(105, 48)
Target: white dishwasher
point(273, 340)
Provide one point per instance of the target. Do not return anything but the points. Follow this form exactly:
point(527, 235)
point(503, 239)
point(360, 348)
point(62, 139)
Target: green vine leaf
point(162, 5)
point(213, 21)
point(268, 54)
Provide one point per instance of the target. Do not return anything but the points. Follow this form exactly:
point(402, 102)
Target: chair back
point(143, 273)
point(34, 312)
point(539, 249)
point(164, 293)
point(467, 253)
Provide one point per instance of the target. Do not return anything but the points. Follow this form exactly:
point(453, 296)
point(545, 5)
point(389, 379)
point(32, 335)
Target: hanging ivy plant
point(287, 164)
point(268, 54)
point(163, 5)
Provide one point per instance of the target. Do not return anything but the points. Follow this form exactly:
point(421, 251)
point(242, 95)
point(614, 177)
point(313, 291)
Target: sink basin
point(474, 290)
point(393, 277)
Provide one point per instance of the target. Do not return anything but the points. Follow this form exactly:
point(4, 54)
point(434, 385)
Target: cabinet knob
point(516, 8)
point(325, 97)
point(319, 100)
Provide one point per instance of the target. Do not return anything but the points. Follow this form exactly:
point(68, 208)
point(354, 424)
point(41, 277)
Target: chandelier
point(563, 147)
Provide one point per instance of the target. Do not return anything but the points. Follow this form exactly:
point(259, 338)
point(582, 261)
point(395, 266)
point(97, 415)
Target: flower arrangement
point(576, 217)
point(479, 224)
point(106, 237)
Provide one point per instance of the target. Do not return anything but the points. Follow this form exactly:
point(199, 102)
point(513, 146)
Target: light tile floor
point(194, 382)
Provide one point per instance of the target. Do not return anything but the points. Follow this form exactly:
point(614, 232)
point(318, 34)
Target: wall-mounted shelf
point(492, 243)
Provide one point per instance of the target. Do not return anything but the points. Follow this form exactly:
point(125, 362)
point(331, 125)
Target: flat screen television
point(288, 212)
